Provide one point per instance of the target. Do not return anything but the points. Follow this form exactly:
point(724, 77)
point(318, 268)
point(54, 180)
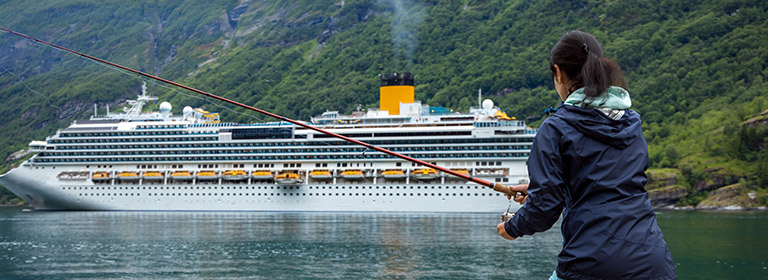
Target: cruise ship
point(158, 161)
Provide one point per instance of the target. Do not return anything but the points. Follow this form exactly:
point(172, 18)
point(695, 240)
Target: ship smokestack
point(395, 88)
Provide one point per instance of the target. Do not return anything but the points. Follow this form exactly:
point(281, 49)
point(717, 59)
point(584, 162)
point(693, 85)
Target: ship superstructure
point(157, 161)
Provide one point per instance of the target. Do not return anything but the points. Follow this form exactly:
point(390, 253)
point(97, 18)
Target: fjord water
point(247, 245)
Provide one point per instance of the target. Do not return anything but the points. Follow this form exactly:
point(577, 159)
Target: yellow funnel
point(395, 89)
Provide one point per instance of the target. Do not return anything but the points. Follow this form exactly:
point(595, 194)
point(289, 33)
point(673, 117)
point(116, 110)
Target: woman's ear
point(558, 74)
point(561, 80)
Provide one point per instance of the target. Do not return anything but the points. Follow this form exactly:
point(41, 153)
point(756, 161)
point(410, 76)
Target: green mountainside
point(696, 69)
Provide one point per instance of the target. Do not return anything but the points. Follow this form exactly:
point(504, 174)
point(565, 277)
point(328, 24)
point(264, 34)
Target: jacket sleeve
point(546, 194)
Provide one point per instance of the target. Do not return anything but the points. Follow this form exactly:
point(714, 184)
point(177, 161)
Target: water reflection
point(108, 245)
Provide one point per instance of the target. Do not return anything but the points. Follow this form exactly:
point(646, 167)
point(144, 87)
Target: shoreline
point(723, 209)
point(659, 209)
point(13, 205)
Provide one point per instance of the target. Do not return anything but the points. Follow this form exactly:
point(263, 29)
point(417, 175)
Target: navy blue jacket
point(591, 169)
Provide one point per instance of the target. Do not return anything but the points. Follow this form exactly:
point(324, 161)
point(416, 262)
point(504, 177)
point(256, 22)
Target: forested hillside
point(696, 69)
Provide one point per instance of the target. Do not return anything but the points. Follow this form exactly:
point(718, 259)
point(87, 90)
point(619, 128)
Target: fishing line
point(495, 186)
point(207, 100)
point(48, 100)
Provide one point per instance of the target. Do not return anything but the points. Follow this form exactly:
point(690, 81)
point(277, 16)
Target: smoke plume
point(407, 17)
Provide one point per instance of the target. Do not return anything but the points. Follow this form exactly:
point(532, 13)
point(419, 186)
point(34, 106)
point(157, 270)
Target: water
point(160, 245)
point(717, 245)
point(110, 245)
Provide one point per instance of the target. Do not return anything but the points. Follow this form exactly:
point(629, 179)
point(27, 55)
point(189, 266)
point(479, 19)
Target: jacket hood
point(597, 125)
point(613, 98)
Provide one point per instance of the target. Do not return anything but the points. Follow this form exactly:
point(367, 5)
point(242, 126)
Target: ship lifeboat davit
point(261, 175)
point(321, 175)
point(181, 175)
point(152, 175)
point(73, 176)
point(424, 174)
point(288, 178)
point(100, 176)
point(128, 176)
point(461, 171)
point(352, 174)
point(234, 175)
point(206, 175)
point(393, 174)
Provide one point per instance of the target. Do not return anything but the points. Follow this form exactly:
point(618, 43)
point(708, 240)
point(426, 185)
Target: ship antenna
point(495, 186)
point(480, 98)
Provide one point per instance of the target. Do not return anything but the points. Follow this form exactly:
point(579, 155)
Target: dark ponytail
point(580, 56)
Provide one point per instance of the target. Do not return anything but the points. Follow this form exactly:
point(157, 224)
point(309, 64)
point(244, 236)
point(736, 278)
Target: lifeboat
point(461, 171)
point(288, 178)
point(206, 175)
point(321, 175)
point(73, 176)
point(181, 175)
point(352, 174)
point(152, 175)
point(234, 175)
point(393, 174)
point(424, 174)
point(100, 176)
point(128, 175)
point(491, 172)
point(261, 175)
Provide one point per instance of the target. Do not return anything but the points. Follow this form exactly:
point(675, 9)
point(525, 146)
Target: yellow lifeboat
point(461, 171)
point(261, 175)
point(321, 175)
point(206, 175)
point(100, 176)
point(424, 174)
point(233, 175)
point(128, 175)
point(181, 175)
point(502, 115)
point(353, 174)
point(393, 174)
point(288, 178)
point(152, 175)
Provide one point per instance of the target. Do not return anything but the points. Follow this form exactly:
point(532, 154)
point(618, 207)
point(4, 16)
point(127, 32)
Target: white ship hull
point(42, 190)
point(103, 163)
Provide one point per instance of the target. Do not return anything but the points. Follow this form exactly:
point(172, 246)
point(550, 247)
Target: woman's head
point(580, 58)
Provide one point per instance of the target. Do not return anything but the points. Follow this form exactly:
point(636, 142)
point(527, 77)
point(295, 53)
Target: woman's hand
point(522, 188)
point(503, 232)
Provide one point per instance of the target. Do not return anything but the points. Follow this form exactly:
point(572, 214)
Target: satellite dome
point(165, 107)
point(487, 104)
point(187, 111)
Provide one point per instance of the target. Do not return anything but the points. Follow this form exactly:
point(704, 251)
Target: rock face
point(663, 189)
point(716, 180)
point(660, 179)
point(17, 155)
point(666, 196)
point(726, 198)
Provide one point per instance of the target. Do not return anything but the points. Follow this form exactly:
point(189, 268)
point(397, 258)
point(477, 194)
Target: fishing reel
point(506, 216)
point(501, 188)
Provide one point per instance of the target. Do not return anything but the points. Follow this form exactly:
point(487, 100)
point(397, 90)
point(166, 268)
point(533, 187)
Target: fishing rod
point(495, 186)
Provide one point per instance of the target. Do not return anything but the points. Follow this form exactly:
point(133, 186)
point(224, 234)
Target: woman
point(588, 163)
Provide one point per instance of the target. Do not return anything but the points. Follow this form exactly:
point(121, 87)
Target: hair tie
point(586, 48)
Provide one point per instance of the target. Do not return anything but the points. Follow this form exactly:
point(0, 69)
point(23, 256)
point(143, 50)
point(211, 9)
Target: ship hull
point(42, 190)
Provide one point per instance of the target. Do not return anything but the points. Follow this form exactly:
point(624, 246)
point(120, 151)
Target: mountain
point(696, 69)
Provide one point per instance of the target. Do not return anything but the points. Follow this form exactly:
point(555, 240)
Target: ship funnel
point(395, 88)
